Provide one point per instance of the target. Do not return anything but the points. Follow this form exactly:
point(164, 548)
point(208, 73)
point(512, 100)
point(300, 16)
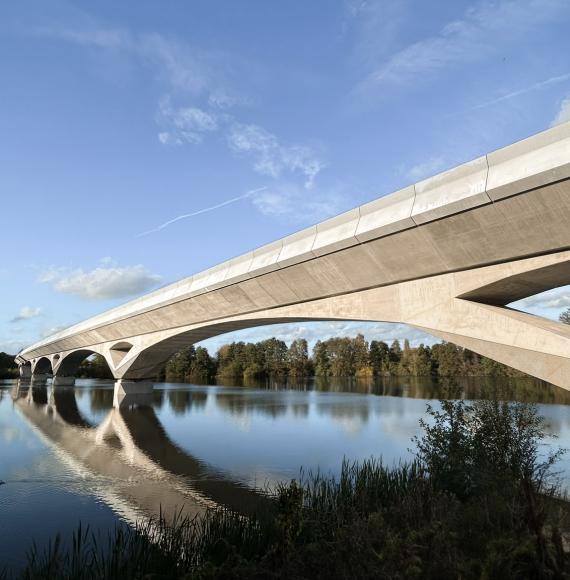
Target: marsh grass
point(479, 501)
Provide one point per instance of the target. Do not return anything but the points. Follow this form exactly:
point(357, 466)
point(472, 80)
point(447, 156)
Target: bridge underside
point(467, 308)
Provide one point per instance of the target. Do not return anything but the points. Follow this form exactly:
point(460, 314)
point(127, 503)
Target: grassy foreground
point(481, 500)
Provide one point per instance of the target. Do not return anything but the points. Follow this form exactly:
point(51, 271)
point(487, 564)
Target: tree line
point(353, 357)
point(336, 357)
point(8, 368)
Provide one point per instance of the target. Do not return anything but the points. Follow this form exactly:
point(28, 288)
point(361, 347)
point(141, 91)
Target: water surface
point(68, 455)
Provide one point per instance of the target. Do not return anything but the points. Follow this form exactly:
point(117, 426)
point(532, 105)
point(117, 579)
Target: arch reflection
point(150, 473)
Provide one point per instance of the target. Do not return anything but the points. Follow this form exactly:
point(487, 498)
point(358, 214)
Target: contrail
point(535, 87)
point(203, 210)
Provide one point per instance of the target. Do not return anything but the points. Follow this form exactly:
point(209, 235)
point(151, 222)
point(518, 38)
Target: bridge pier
point(25, 372)
point(63, 381)
point(125, 389)
point(131, 387)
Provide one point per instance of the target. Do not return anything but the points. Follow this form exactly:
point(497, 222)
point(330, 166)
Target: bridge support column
point(63, 381)
point(130, 387)
point(125, 389)
point(25, 372)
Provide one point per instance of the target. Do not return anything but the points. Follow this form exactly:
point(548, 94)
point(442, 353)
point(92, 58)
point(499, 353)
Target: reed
point(477, 502)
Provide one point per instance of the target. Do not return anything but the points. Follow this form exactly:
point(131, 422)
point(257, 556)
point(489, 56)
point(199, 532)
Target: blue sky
point(252, 119)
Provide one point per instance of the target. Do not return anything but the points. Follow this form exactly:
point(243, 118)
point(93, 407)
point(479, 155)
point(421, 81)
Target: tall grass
point(474, 504)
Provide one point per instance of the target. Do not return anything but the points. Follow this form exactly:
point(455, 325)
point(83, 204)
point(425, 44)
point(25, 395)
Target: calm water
point(69, 455)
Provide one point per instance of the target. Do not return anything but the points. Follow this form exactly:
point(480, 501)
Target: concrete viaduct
point(446, 255)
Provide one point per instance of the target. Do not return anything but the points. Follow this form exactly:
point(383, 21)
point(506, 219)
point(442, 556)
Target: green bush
point(479, 501)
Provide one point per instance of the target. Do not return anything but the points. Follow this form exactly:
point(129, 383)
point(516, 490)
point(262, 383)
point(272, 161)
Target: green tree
point(448, 359)
point(422, 364)
point(321, 359)
point(232, 360)
point(203, 366)
point(341, 355)
point(298, 358)
point(179, 366)
point(565, 316)
point(379, 357)
point(395, 351)
point(274, 354)
point(95, 367)
point(361, 354)
point(8, 367)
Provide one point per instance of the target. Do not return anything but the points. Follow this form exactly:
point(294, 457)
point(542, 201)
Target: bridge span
point(445, 255)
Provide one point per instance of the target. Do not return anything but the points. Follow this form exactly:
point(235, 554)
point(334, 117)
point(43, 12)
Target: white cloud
point(12, 346)
point(184, 124)
point(184, 67)
point(96, 37)
point(272, 158)
point(482, 30)
point(425, 169)
point(563, 115)
point(224, 99)
point(287, 202)
point(27, 312)
point(290, 202)
point(313, 331)
point(51, 330)
point(106, 282)
point(557, 298)
point(190, 72)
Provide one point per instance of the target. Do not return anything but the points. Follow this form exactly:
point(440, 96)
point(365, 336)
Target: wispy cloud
point(563, 115)
point(272, 158)
point(204, 210)
point(27, 312)
point(425, 169)
point(106, 282)
point(51, 330)
point(11, 346)
point(481, 31)
point(198, 79)
point(558, 298)
point(183, 69)
point(513, 94)
point(291, 203)
point(287, 202)
point(185, 124)
point(107, 38)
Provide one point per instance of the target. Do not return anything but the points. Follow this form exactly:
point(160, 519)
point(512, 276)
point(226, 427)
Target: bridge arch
point(465, 308)
point(119, 351)
point(70, 363)
point(42, 366)
point(149, 359)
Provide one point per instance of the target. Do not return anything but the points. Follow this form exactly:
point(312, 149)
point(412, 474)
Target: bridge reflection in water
point(150, 474)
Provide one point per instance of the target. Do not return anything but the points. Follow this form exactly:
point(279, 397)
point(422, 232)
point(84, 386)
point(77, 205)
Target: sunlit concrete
point(445, 255)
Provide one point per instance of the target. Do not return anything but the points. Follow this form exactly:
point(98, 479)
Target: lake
point(70, 455)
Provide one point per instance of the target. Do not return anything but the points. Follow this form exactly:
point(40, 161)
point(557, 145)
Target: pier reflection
point(175, 448)
point(150, 474)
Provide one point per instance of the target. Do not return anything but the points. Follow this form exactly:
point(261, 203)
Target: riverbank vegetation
point(8, 367)
point(335, 357)
point(480, 500)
